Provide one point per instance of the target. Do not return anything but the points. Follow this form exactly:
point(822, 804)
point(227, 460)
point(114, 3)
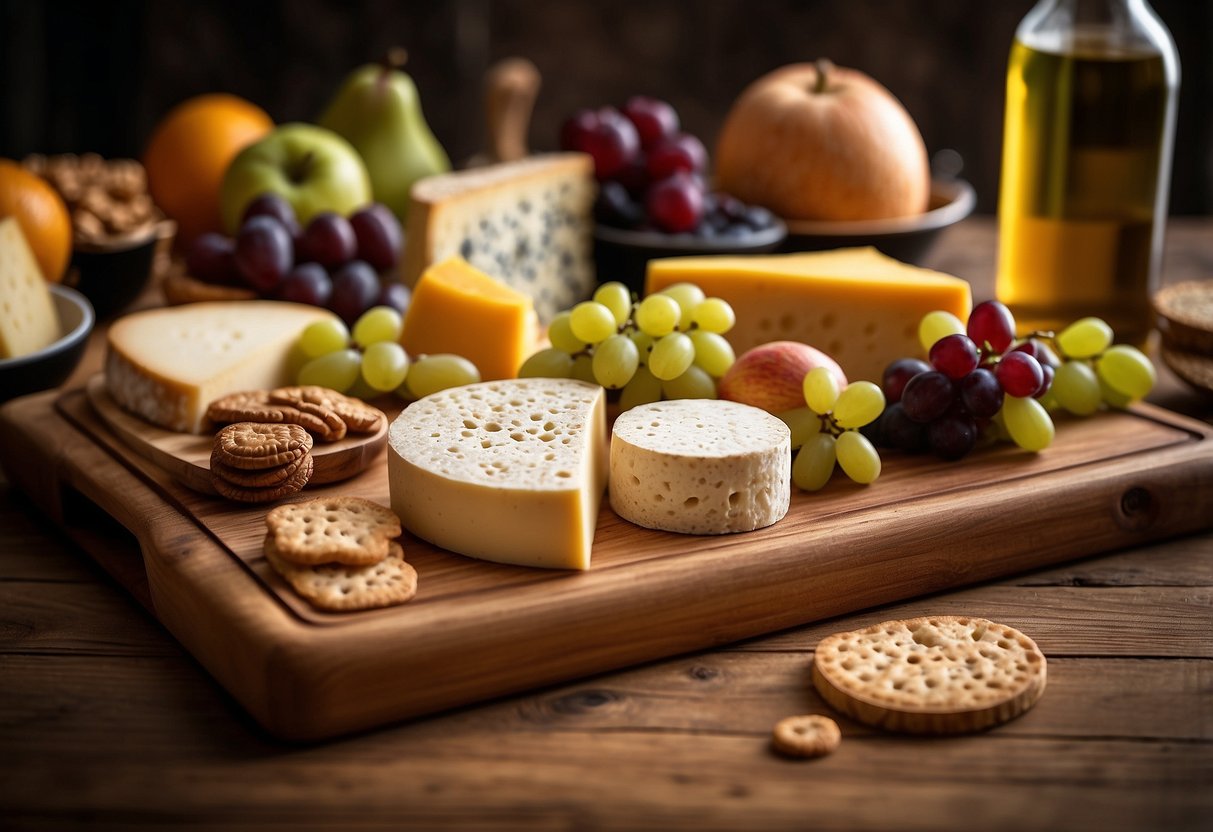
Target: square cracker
point(347, 530)
point(342, 588)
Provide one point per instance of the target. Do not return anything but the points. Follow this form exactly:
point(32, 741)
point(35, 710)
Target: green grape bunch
point(669, 345)
point(825, 433)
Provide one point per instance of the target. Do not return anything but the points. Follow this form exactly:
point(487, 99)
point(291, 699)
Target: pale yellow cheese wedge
point(28, 321)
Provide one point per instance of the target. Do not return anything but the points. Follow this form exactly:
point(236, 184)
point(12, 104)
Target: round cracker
point(256, 445)
point(809, 735)
point(265, 494)
point(341, 588)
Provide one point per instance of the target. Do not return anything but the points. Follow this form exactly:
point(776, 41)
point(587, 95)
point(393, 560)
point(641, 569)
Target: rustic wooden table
point(106, 722)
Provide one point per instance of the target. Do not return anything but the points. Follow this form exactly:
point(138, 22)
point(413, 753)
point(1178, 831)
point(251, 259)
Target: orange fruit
point(189, 152)
point(41, 214)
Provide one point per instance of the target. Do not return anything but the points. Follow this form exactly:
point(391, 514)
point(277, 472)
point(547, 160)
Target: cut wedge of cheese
point(857, 305)
point(700, 466)
point(27, 314)
point(509, 471)
point(167, 365)
point(456, 308)
point(528, 224)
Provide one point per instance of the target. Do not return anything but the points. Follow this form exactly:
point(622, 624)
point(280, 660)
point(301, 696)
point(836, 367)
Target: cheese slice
point(527, 223)
point(456, 308)
point(700, 466)
point(508, 471)
point(167, 365)
point(857, 305)
point(28, 321)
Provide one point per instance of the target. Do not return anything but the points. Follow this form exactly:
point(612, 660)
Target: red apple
point(771, 376)
point(818, 142)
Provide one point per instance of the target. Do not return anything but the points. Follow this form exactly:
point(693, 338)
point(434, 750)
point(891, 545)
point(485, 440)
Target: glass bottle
point(1090, 122)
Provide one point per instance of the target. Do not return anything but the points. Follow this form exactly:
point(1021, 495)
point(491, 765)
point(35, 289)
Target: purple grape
point(1019, 374)
point(270, 204)
point(1049, 372)
point(893, 382)
point(328, 240)
point(1040, 351)
point(981, 393)
point(901, 432)
point(653, 119)
point(675, 204)
point(952, 436)
point(395, 295)
point(991, 323)
point(954, 355)
point(211, 259)
point(576, 130)
point(263, 253)
point(615, 207)
point(927, 396)
point(379, 236)
point(306, 283)
point(681, 153)
point(355, 290)
point(613, 143)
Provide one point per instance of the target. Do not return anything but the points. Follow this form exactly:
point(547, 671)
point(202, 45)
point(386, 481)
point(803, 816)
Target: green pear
point(379, 112)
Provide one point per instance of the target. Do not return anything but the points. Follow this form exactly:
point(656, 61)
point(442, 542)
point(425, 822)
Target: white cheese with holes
point(167, 365)
point(700, 466)
point(528, 224)
point(510, 471)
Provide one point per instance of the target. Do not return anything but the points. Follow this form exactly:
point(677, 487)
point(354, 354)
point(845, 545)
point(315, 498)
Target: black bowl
point(50, 366)
point(907, 239)
point(624, 255)
point(112, 274)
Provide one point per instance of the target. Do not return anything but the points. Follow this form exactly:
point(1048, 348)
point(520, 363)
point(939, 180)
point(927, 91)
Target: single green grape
point(560, 334)
point(1076, 388)
point(615, 361)
point(1027, 423)
point(688, 296)
point(714, 315)
point(591, 322)
point(694, 383)
point(548, 363)
point(1112, 397)
point(379, 323)
point(671, 356)
point(336, 370)
point(713, 352)
point(583, 369)
point(802, 422)
point(431, 373)
point(821, 390)
point(936, 325)
point(384, 365)
point(857, 457)
point(642, 389)
point(814, 462)
point(643, 342)
point(859, 404)
point(615, 297)
point(1085, 338)
point(322, 337)
point(1127, 371)
point(657, 315)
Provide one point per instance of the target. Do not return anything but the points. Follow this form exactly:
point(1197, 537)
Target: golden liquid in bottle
point(1080, 175)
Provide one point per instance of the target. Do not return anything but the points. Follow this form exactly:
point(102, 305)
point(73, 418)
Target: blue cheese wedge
point(700, 466)
point(529, 224)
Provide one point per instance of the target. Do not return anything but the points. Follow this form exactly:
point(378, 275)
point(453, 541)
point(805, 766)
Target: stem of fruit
point(299, 172)
point(825, 67)
point(395, 58)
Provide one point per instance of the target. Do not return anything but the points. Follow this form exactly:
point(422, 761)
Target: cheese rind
point(456, 308)
point(529, 224)
point(509, 471)
point(28, 321)
point(700, 466)
point(857, 305)
point(167, 365)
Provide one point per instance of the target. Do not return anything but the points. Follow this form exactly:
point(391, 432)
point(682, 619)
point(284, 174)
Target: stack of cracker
point(1185, 319)
point(339, 553)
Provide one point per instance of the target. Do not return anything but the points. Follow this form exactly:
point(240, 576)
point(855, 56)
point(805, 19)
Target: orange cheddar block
point(857, 305)
point(456, 308)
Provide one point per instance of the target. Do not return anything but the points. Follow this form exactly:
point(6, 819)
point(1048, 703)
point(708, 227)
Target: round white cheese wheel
point(700, 466)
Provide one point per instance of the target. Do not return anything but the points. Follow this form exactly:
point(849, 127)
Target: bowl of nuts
point(116, 229)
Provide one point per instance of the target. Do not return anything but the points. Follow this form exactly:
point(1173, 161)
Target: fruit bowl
point(51, 365)
point(113, 273)
point(905, 238)
point(623, 255)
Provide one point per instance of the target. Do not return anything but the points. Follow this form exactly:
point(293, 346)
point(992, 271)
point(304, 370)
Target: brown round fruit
point(818, 142)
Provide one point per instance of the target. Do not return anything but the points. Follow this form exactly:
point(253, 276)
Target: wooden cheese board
point(478, 630)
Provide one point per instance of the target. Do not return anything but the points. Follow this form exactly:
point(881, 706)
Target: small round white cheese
point(700, 466)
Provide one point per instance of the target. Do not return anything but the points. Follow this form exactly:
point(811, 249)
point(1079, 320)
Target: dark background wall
point(77, 76)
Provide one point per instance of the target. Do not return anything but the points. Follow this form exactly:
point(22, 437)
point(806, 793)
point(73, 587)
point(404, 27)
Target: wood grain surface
point(106, 722)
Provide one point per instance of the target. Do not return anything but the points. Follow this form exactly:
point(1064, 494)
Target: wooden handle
point(511, 87)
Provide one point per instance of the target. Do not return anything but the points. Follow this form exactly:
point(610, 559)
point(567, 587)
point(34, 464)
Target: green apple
point(312, 168)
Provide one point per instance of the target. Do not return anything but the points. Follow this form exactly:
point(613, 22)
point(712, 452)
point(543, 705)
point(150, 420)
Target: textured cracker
point(254, 445)
point(810, 735)
point(255, 406)
point(936, 675)
point(254, 478)
point(342, 588)
point(265, 494)
point(1185, 316)
point(359, 417)
point(347, 530)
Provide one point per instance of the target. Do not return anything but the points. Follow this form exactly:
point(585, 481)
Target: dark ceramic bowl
point(112, 274)
point(50, 366)
point(624, 255)
point(905, 238)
